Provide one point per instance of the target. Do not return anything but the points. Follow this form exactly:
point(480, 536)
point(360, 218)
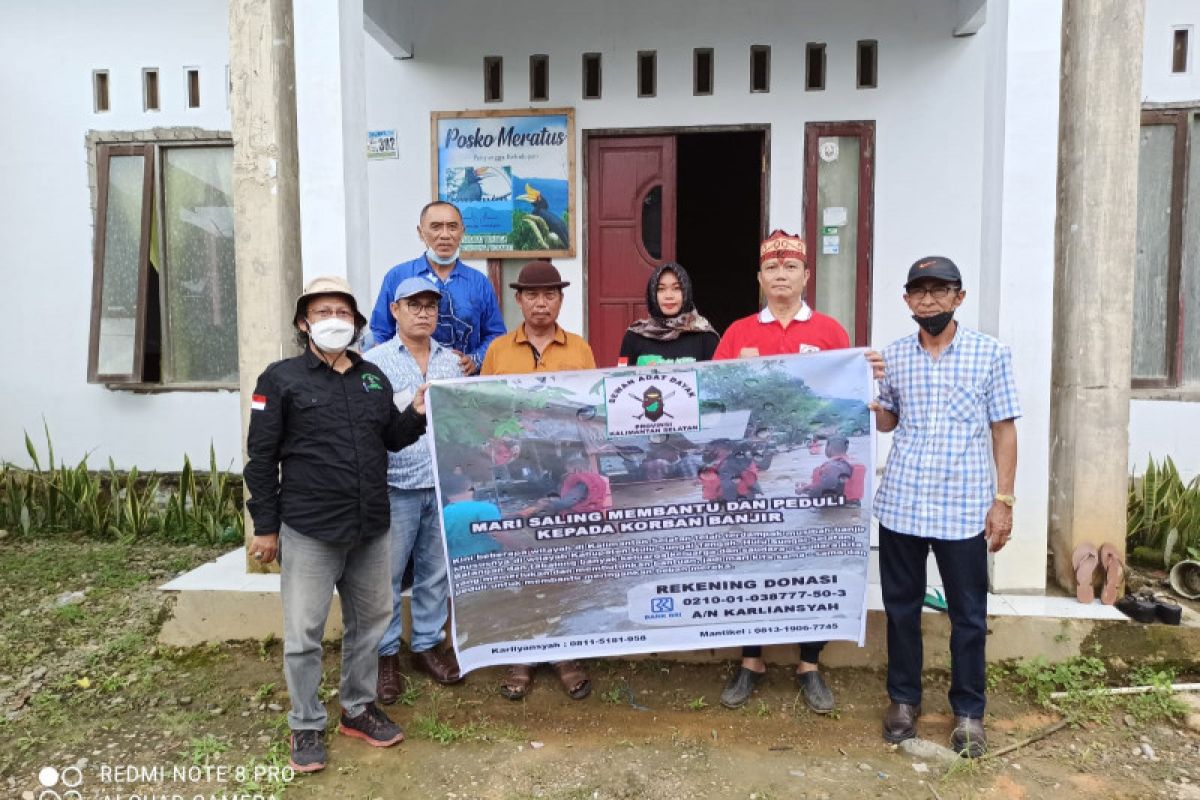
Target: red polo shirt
point(809, 332)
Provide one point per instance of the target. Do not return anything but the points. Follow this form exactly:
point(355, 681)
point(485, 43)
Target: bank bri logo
point(662, 605)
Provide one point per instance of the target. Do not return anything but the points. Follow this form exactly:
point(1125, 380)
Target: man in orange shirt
point(539, 344)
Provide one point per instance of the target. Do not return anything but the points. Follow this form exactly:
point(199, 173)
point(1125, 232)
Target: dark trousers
point(963, 566)
point(809, 651)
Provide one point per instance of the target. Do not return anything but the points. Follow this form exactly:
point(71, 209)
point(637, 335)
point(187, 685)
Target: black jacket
point(317, 448)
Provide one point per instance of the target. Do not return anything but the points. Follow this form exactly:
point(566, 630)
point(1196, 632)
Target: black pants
point(809, 651)
point(963, 566)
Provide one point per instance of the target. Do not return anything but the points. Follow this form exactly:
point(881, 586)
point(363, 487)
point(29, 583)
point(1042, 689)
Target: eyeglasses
point(936, 292)
point(421, 309)
point(325, 312)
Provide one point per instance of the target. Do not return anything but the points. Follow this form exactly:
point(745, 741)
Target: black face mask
point(935, 324)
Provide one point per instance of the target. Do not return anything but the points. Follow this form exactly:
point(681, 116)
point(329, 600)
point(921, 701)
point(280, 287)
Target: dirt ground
point(89, 694)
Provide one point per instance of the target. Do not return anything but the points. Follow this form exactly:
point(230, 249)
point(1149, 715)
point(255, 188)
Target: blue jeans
point(963, 567)
point(309, 571)
point(417, 531)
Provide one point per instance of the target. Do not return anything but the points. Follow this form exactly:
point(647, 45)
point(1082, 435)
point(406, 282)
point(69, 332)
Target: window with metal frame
point(1166, 294)
point(164, 296)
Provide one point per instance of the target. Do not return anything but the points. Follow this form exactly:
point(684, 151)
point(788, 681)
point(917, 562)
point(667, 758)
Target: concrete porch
point(220, 601)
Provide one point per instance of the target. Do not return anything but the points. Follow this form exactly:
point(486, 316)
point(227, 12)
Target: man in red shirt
point(785, 326)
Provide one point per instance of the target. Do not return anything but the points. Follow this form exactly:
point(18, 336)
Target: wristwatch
point(1008, 499)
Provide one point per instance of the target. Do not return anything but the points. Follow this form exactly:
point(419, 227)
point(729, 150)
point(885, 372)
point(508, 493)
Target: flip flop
point(1084, 561)
point(1114, 573)
point(934, 599)
point(517, 682)
point(574, 678)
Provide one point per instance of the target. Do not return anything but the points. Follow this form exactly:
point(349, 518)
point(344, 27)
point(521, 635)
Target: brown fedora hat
point(539, 275)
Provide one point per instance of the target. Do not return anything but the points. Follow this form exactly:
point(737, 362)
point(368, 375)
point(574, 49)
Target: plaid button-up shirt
point(412, 467)
point(939, 481)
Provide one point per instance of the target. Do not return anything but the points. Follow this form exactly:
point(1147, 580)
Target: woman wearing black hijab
point(675, 331)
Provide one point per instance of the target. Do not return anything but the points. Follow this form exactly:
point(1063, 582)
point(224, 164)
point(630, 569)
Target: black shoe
point(1137, 607)
point(372, 726)
point(308, 750)
point(968, 739)
point(817, 694)
point(900, 722)
point(740, 687)
point(1167, 611)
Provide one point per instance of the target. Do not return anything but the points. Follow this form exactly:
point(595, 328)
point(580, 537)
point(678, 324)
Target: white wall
point(47, 53)
point(1159, 84)
point(929, 109)
point(1161, 428)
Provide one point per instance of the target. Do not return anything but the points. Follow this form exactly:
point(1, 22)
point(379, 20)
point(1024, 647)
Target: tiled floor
point(228, 573)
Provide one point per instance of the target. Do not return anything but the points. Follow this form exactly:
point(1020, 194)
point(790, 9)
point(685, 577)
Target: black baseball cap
point(937, 267)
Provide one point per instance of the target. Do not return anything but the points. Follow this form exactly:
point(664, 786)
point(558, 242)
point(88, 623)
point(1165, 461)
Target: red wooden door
point(631, 231)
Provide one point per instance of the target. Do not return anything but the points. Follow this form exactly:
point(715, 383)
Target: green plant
point(203, 749)
point(264, 691)
point(612, 696)
point(697, 704)
point(1163, 514)
point(55, 497)
point(1160, 702)
point(1079, 677)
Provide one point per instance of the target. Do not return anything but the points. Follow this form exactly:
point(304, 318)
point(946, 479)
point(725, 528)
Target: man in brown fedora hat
point(538, 345)
point(321, 424)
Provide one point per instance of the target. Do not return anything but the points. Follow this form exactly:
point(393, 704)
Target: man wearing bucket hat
point(469, 315)
point(786, 325)
point(540, 345)
point(321, 424)
point(410, 360)
point(949, 395)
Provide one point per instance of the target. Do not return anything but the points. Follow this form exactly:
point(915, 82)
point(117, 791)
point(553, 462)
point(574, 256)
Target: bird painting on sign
point(548, 227)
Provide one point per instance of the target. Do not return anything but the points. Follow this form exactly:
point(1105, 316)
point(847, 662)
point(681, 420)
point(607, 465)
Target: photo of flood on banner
point(676, 507)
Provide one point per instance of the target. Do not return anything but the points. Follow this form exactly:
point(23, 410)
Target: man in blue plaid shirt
point(948, 394)
point(410, 360)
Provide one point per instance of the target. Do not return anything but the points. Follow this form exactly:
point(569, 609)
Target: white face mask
point(331, 335)
point(445, 262)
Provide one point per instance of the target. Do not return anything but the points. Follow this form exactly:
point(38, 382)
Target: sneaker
point(817, 694)
point(308, 750)
point(740, 687)
point(372, 726)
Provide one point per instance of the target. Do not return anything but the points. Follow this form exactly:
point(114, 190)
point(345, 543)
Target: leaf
point(84, 682)
point(1169, 547)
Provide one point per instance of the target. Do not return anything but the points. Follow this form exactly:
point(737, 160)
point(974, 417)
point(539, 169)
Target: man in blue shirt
point(948, 393)
point(469, 315)
point(410, 360)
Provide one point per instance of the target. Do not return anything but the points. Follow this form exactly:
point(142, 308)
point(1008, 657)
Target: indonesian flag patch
point(258, 402)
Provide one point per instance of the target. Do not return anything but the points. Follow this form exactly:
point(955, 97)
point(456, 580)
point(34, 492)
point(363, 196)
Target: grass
point(697, 704)
point(1084, 680)
point(203, 749)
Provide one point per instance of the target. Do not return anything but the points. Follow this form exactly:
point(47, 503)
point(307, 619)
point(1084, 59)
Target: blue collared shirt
point(469, 316)
point(412, 467)
point(939, 481)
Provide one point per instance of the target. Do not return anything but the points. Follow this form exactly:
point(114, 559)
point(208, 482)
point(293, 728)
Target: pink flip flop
point(1084, 561)
point(1114, 573)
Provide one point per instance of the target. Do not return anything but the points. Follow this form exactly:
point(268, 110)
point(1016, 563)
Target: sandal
point(1084, 561)
point(517, 682)
point(1114, 573)
point(574, 678)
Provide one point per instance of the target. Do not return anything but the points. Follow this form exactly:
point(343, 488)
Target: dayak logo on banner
point(657, 402)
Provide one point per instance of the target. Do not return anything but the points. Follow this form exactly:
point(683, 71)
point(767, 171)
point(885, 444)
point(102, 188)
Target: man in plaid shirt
point(948, 393)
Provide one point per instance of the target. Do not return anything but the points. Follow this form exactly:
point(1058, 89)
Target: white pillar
point(1096, 244)
point(1016, 291)
point(331, 112)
